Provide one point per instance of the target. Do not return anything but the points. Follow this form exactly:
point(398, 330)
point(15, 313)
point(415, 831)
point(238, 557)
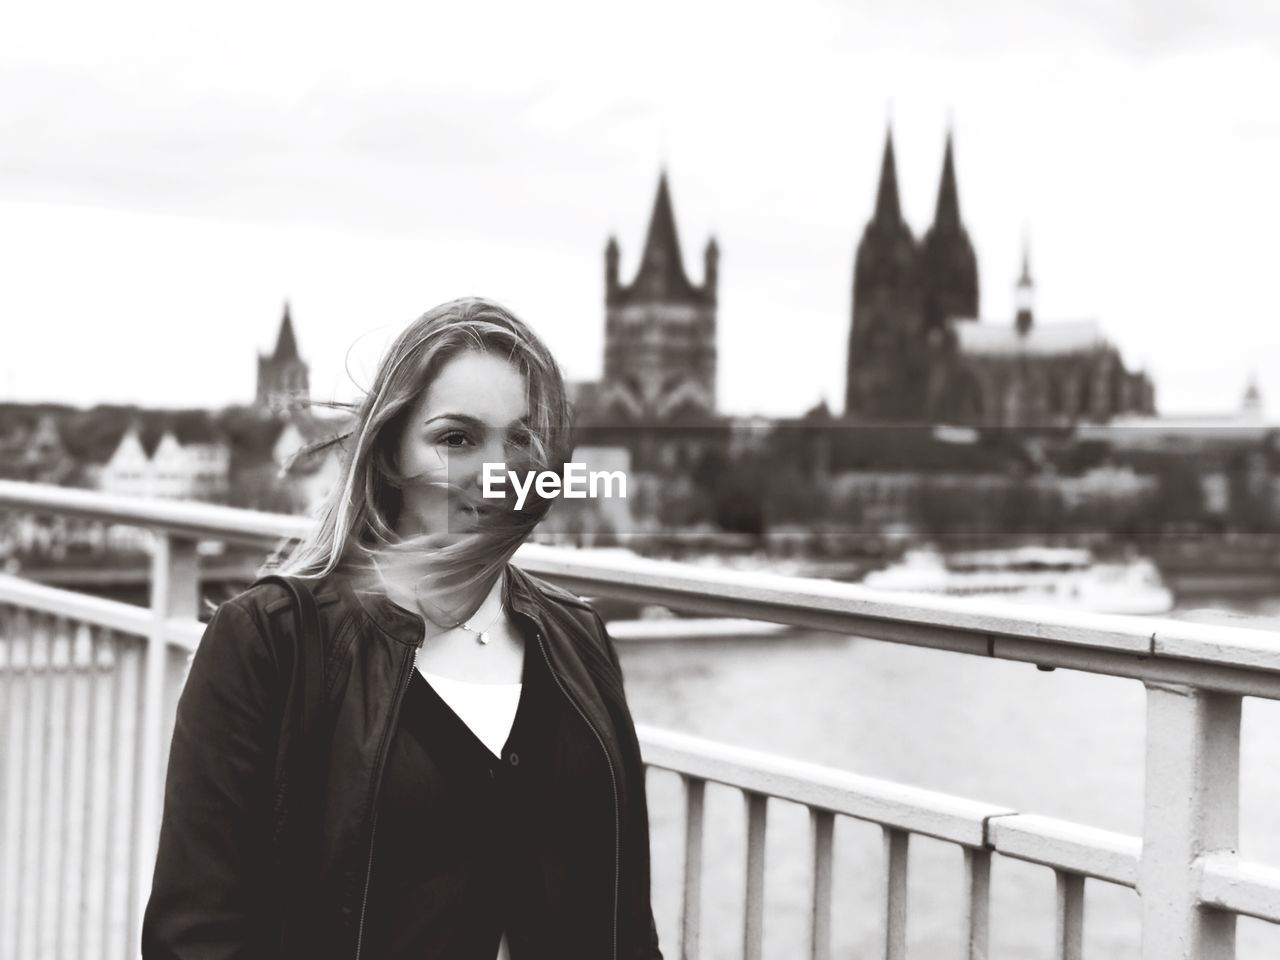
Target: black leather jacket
point(229, 883)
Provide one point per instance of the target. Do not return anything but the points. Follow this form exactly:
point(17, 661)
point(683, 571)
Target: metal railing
point(88, 689)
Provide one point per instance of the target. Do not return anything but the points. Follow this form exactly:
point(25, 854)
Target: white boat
point(1066, 577)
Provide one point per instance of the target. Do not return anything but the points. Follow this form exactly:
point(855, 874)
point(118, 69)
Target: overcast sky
point(171, 173)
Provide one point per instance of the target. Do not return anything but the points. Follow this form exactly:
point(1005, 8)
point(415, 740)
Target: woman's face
point(473, 412)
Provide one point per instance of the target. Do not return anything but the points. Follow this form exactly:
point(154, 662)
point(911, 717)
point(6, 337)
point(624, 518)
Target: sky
point(170, 175)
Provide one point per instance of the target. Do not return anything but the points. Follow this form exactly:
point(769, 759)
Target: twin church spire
point(948, 260)
point(904, 293)
point(889, 206)
point(947, 211)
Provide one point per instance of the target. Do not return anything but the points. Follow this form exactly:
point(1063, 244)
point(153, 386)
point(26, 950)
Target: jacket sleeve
point(211, 896)
point(639, 940)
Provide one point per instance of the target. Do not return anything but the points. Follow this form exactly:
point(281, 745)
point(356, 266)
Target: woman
point(475, 788)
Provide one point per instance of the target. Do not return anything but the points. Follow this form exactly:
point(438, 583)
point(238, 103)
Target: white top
point(489, 709)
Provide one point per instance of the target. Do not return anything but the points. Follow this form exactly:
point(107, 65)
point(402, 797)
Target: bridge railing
point(88, 689)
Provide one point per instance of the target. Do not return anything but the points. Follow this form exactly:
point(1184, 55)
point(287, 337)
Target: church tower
point(1024, 294)
point(948, 263)
point(885, 368)
point(660, 330)
point(283, 379)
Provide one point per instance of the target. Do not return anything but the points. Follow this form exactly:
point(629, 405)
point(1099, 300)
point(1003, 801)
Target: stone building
point(660, 330)
point(32, 449)
point(283, 377)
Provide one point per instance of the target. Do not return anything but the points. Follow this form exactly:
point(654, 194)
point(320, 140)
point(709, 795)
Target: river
point(1061, 743)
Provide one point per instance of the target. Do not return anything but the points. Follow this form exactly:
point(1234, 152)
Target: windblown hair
point(357, 521)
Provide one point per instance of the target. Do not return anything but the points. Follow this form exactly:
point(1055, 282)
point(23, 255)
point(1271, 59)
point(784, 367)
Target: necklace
point(483, 634)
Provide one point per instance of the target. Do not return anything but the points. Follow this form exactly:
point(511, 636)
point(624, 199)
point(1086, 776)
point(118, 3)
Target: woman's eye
point(455, 438)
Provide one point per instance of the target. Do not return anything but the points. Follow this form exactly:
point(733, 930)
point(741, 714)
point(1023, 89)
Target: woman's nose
point(493, 451)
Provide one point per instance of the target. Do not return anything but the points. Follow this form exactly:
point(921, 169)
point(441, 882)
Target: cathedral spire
point(286, 342)
point(949, 264)
point(888, 209)
point(283, 378)
point(947, 212)
point(661, 265)
point(1252, 404)
point(1025, 292)
point(662, 243)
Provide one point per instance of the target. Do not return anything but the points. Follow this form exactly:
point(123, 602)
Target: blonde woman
point(475, 787)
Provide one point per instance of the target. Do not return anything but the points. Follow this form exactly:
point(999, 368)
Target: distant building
point(919, 353)
point(183, 460)
point(1029, 374)
point(307, 476)
point(283, 377)
point(36, 452)
point(167, 457)
point(660, 330)
point(895, 356)
point(1191, 434)
point(1252, 406)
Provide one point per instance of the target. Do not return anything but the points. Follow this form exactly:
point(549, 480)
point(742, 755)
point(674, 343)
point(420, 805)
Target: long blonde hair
point(357, 520)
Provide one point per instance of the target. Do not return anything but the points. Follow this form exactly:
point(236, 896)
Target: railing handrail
point(914, 809)
point(176, 516)
point(96, 611)
point(1229, 659)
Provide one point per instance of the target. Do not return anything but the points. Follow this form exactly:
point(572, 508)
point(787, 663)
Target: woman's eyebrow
point(475, 422)
point(462, 417)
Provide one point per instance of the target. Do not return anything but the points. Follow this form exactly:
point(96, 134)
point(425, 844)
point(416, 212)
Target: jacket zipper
point(613, 781)
point(373, 829)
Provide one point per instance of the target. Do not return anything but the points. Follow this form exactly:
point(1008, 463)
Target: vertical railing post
point(977, 902)
point(753, 925)
point(691, 906)
point(16, 748)
point(1068, 937)
point(896, 843)
point(175, 591)
point(823, 823)
point(1192, 808)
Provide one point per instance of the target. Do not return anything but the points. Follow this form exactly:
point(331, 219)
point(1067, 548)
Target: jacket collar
point(525, 597)
point(519, 596)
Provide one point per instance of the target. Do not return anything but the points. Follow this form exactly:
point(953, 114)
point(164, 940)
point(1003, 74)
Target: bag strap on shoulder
point(291, 836)
point(308, 651)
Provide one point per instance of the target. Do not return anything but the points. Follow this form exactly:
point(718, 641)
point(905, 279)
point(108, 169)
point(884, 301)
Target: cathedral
point(918, 352)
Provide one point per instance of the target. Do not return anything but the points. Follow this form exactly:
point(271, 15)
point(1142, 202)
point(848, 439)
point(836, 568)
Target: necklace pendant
point(484, 636)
